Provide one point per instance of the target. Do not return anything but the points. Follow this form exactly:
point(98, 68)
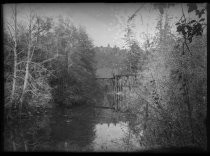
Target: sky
point(104, 22)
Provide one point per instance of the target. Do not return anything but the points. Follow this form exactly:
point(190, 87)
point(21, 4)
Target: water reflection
point(84, 128)
point(89, 129)
point(109, 137)
point(74, 131)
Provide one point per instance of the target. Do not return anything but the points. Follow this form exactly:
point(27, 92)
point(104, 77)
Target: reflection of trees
point(109, 116)
point(77, 128)
point(134, 136)
point(28, 135)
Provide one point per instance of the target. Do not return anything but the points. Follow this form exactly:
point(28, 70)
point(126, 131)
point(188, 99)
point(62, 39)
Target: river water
point(83, 128)
point(92, 129)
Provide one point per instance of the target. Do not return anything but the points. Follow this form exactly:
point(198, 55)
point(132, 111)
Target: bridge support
point(116, 86)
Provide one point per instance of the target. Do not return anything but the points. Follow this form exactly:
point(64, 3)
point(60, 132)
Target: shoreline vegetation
point(53, 67)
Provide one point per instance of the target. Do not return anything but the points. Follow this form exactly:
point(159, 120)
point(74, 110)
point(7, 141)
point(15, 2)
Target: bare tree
point(13, 35)
point(28, 60)
point(15, 52)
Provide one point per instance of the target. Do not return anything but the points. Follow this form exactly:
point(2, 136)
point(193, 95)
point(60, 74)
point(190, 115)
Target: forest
point(52, 67)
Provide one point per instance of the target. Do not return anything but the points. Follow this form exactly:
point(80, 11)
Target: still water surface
point(92, 129)
point(84, 128)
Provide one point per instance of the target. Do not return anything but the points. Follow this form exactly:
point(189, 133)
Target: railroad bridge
point(115, 87)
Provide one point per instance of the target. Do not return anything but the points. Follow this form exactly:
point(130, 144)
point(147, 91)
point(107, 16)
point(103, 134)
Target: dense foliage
point(48, 62)
point(169, 95)
point(48, 65)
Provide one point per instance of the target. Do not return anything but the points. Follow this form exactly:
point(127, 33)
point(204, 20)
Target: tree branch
point(32, 86)
point(20, 77)
point(32, 53)
point(20, 62)
point(134, 14)
point(20, 52)
point(49, 59)
point(183, 14)
point(188, 48)
point(10, 26)
point(21, 70)
point(31, 92)
point(10, 33)
point(43, 68)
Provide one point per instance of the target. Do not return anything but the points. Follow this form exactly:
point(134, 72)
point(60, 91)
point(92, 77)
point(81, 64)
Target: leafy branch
point(191, 28)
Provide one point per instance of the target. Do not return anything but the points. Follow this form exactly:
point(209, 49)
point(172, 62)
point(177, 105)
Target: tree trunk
point(15, 56)
point(27, 67)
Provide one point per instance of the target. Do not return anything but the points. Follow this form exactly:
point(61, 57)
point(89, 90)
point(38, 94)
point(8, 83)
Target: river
point(92, 129)
point(82, 128)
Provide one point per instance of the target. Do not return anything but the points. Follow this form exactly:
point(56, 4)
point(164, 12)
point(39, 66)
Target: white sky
point(104, 22)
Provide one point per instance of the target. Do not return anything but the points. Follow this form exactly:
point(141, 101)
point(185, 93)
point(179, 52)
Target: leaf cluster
point(192, 27)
